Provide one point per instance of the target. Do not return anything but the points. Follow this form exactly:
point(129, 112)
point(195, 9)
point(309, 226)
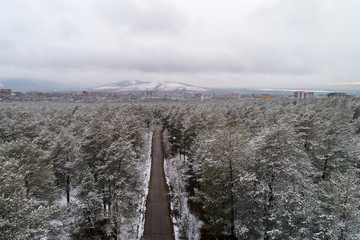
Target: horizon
point(58, 86)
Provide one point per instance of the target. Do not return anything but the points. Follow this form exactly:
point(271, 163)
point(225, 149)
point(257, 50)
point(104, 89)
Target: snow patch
point(186, 224)
point(145, 186)
point(73, 199)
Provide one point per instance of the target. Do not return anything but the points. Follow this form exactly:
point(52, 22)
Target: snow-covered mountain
point(138, 86)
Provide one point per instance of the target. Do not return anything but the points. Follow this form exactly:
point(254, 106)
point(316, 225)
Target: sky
point(209, 43)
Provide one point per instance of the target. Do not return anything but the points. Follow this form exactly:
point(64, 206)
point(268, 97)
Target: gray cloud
point(147, 17)
point(240, 43)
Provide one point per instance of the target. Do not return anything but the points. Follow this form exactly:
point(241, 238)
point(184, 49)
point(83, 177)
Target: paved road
point(158, 225)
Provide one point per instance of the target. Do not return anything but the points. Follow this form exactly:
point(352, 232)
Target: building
point(266, 96)
point(336, 94)
point(5, 93)
point(303, 95)
point(203, 97)
point(149, 95)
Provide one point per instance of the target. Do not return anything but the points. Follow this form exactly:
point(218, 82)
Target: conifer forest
point(239, 169)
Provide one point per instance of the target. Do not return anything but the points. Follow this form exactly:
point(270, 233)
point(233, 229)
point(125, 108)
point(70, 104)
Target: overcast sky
point(211, 43)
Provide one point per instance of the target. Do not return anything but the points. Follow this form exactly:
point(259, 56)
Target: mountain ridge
point(139, 86)
point(27, 84)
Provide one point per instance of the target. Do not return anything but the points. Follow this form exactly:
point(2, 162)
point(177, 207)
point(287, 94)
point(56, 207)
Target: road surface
point(158, 225)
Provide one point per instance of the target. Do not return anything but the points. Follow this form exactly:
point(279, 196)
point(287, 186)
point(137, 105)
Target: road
point(158, 225)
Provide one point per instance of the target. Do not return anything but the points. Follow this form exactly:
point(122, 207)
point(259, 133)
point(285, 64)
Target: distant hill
point(138, 86)
point(25, 85)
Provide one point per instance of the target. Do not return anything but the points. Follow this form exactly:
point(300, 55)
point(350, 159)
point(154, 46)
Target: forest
point(244, 169)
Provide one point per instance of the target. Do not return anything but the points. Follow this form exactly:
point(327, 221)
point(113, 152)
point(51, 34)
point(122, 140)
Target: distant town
point(85, 96)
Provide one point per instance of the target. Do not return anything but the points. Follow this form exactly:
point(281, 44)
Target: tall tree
point(65, 158)
point(222, 164)
point(281, 164)
point(90, 221)
point(35, 166)
point(339, 214)
point(20, 216)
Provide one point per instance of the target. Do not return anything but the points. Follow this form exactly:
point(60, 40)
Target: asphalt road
point(158, 225)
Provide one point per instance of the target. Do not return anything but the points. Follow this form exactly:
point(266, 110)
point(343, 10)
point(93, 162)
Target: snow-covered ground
point(186, 224)
point(62, 225)
point(146, 168)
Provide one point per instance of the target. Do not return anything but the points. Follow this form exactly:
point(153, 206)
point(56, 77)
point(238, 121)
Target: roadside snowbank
point(146, 168)
point(186, 224)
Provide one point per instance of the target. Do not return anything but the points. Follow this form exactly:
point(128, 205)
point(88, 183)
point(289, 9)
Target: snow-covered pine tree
point(89, 218)
point(20, 216)
point(65, 157)
point(338, 213)
point(281, 165)
point(35, 167)
point(222, 166)
point(329, 150)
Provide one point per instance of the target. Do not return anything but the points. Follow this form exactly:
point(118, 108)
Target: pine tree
point(90, 221)
point(35, 166)
point(222, 166)
point(65, 158)
point(339, 212)
point(20, 216)
point(333, 132)
point(281, 164)
point(294, 214)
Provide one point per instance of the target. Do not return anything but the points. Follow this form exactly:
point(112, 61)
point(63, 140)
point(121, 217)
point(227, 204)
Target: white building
point(303, 95)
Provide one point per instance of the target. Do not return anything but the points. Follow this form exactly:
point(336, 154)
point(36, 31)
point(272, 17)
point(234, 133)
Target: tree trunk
point(344, 211)
point(231, 186)
point(68, 189)
point(306, 144)
point(268, 207)
point(118, 222)
point(27, 187)
point(232, 211)
point(271, 195)
point(325, 167)
point(326, 162)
